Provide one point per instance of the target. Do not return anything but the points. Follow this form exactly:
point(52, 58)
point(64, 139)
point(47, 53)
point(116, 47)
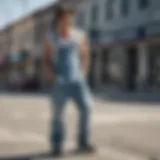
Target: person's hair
point(61, 11)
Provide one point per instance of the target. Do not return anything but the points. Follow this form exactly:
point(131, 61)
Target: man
point(68, 49)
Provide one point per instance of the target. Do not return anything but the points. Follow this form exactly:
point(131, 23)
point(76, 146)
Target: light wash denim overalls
point(70, 84)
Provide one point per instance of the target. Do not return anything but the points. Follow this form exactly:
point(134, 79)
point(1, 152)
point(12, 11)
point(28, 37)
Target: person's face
point(66, 21)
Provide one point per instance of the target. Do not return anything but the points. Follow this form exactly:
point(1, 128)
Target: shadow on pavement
point(27, 157)
point(41, 156)
point(38, 156)
point(129, 97)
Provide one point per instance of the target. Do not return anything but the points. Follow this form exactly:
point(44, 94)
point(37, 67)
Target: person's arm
point(46, 61)
point(85, 58)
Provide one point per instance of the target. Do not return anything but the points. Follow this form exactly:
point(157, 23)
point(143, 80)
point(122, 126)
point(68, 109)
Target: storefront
point(152, 33)
point(2, 72)
point(154, 66)
point(92, 70)
point(127, 59)
point(153, 47)
point(116, 59)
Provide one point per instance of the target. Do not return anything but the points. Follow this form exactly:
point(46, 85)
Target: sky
point(11, 10)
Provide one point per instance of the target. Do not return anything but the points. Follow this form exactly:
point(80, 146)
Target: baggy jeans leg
point(59, 99)
point(82, 98)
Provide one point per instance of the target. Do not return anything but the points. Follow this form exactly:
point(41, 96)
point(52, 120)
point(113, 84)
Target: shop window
point(94, 36)
point(92, 68)
point(109, 9)
point(81, 19)
point(125, 7)
point(154, 67)
point(143, 4)
point(132, 63)
point(94, 14)
point(115, 67)
point(104, 65)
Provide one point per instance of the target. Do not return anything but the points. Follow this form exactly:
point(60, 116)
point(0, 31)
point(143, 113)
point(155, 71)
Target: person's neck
point(65, 32)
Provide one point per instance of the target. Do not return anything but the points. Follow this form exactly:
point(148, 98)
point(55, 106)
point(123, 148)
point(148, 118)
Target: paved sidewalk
point(121, 131)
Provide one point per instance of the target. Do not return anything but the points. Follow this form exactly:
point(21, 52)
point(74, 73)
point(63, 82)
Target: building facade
point(5, 48)
point(124, 37)
point(23, 42)
point(5, 40)
point(23, 35)
point(125, 40)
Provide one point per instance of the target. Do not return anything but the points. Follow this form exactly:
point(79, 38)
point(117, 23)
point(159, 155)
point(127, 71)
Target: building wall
point(5, 40)
point(154, 10)
point(142, 66)
point(44, 24)
point(9, 39)
point(135, 16)
point(23, 35)
point(2, 42)
point(127, 24)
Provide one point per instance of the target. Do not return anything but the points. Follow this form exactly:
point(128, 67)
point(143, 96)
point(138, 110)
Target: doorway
point(92, 69)
point(154, 67)
point(104, 65)
point(132, 68)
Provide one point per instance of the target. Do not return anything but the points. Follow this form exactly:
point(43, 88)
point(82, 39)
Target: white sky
point(14, 9)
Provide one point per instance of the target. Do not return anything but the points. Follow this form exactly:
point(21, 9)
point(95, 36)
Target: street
point(121, 131)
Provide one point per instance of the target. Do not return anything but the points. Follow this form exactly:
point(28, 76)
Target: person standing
point(68, 50)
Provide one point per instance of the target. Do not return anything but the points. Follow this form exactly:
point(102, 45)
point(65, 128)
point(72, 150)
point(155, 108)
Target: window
point(109, 9)
point(81, 19)
point(94, 35)
point(94, 13)
point(143, 4)
point(125, 7)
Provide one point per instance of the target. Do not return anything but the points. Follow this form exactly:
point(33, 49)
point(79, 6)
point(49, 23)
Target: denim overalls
point(70, 84)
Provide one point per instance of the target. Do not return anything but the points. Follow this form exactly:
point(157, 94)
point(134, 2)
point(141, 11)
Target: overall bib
point(70, 84)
